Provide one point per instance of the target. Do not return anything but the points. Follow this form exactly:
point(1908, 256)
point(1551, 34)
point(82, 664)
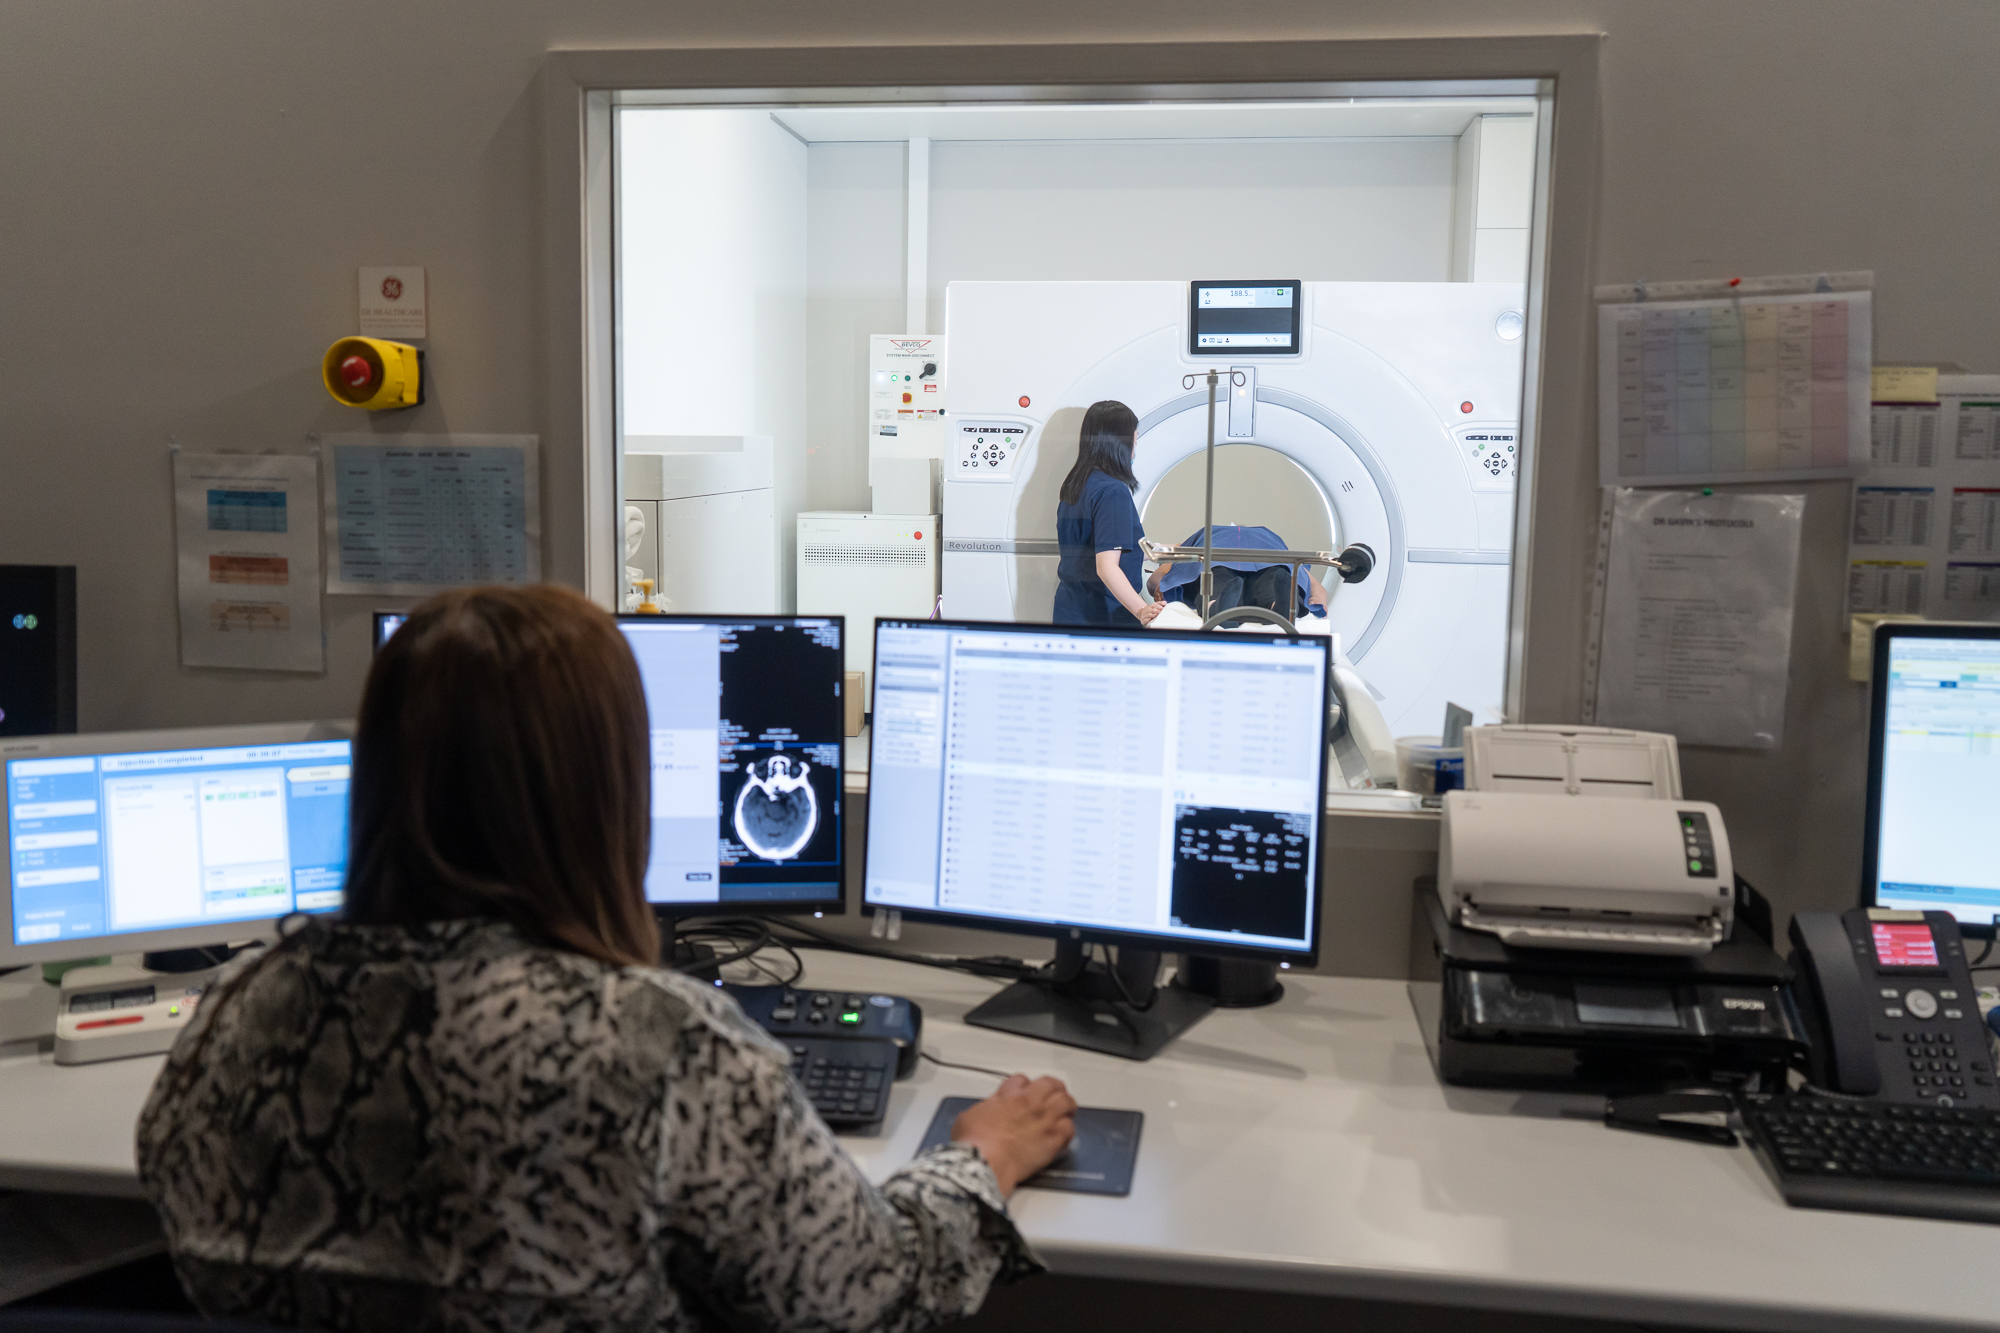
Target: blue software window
point(108, 844)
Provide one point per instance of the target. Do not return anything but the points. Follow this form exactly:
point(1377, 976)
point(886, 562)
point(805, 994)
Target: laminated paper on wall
point(1698, 597)
point(247, 532)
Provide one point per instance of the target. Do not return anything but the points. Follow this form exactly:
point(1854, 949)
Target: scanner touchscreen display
point(1143, 783)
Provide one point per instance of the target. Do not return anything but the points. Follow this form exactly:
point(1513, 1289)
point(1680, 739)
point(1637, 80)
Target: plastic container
point(1425, 766)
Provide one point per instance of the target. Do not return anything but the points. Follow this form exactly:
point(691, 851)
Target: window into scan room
point(855, 343)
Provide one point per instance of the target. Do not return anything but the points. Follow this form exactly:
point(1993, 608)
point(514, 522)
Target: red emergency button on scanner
point(355, 372)
point(1465, 407)
point(1024, 400)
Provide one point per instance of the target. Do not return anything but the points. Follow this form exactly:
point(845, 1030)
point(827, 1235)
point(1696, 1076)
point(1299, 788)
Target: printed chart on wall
point(1926, 519)
point(249, 561)
point(425, 512)
point(1747, 387)
point(1695, 615)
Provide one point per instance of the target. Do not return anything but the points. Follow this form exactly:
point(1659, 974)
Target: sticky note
point(1904, 384)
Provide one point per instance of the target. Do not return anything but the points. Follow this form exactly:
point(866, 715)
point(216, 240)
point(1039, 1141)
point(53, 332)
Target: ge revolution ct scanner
point(1399, 403)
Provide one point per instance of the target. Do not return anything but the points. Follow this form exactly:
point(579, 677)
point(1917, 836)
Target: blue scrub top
point(1105, 520)
point(1176, 585)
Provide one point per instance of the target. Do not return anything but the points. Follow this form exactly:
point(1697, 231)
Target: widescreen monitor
point(1153, 788)
point(1932, 840)
point(142, 841)
point(748, 742)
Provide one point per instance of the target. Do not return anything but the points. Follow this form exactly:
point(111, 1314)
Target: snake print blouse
point(448, 1127)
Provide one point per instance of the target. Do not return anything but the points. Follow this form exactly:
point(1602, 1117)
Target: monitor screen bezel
point(1096, 934)
point(1886, 634)
point(837, 906)
point(1298, 286)
point(139, 742)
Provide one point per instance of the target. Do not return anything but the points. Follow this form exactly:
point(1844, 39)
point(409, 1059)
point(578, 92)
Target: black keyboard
point(1876, 1157)
point(846, 1078)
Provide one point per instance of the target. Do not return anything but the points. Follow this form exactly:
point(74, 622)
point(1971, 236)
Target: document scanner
point(1589, 930)
point(1587, 872)
point(1576, 838)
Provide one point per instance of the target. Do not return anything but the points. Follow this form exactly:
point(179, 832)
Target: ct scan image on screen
point(747, 737)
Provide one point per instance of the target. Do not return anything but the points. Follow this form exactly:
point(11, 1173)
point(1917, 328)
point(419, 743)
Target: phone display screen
point(1904, 944)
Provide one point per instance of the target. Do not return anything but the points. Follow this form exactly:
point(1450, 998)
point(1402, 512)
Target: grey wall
point(185, 192)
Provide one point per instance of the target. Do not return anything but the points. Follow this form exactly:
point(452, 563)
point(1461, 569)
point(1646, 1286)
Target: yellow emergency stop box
point(374, 373)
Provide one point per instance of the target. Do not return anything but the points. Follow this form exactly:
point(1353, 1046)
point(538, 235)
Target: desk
point(1307, 1148)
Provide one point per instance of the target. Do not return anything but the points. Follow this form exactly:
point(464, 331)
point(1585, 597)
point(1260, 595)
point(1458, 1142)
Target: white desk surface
point(1306, 1147)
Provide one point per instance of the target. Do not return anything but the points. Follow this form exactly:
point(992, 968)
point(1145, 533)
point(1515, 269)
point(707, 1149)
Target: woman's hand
point(1020, 1129)
point(1150, 612)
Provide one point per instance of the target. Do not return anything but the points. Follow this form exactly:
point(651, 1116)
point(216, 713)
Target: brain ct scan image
point(776, 811)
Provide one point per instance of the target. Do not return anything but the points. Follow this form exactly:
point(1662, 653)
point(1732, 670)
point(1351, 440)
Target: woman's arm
point(1121, 588)
point(771, 1225)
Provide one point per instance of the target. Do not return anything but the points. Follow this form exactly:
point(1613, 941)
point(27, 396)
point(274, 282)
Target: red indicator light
point(1465, 407)
point(1024, 400)
point(920, 536)
point(355, 372)
point(107, 1023)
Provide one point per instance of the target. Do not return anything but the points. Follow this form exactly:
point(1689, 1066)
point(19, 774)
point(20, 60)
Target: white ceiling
point(1374, 118)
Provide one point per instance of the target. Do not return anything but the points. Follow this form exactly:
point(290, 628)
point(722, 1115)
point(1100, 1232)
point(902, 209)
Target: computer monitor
point(1152, 789)
point(37, 649)
point(157, 840)
point(387, 623)
point(1932, 842)
point(749, 749)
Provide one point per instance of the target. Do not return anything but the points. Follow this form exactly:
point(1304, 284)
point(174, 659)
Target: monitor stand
point(1080, 1003)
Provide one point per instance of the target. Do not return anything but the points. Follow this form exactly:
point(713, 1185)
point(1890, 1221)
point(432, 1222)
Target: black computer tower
point(37, 649)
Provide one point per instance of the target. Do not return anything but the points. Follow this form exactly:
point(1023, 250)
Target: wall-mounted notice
point(393, 302)
point(1697, 615)
point(425, 512)
point(1925, 537)
point(1749, 387)
point(249, 561)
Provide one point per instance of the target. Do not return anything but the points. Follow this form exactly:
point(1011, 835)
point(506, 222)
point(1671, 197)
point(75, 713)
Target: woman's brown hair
point(501, 769)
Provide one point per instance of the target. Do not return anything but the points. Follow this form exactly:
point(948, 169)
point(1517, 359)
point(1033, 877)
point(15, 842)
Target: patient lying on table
point(1241, 583)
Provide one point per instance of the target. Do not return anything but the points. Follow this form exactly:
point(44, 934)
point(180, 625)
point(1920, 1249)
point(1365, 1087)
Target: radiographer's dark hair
point(1110, 430)
point(501, 770)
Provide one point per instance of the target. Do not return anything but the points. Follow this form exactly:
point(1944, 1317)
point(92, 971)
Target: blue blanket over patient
point(1175, 583)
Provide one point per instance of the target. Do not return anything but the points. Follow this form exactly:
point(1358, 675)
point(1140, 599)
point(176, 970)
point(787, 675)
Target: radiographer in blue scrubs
point(1097, 526)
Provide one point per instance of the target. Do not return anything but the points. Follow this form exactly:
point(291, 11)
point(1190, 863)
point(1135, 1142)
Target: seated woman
point(1241, 582)
point(473, 1101)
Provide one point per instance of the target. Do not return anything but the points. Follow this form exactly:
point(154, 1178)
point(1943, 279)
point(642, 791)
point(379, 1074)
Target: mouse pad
point(1099, 1159)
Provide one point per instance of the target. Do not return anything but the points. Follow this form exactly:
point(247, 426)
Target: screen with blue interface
point(1938, 839)
point(1136, 783)
point(109, 844)
point(748, 740)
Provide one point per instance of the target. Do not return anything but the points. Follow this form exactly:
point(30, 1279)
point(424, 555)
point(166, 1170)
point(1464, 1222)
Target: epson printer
point(1588, 929)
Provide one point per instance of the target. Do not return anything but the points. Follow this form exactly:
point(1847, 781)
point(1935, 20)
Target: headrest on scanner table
point(1586, 872)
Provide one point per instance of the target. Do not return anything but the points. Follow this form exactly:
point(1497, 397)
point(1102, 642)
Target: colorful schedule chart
point(1924, 527)
point(1764, 388)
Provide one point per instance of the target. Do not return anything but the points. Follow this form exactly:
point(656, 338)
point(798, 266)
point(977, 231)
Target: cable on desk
point(953, 1064)
point(996, 968)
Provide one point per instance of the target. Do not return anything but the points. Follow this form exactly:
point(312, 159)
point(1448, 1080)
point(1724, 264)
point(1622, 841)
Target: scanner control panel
point(985, 451)
point(1492, 451)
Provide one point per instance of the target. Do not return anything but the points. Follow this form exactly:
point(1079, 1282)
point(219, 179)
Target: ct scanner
point(1400, 407)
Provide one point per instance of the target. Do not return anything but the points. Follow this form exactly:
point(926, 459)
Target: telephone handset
point(1892, 1009)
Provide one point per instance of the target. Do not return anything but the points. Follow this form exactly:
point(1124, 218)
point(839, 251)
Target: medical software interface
point(747, 743)
point(102, 845)
point(1936, 849)
point(1139, 783)
point(1245, 319)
